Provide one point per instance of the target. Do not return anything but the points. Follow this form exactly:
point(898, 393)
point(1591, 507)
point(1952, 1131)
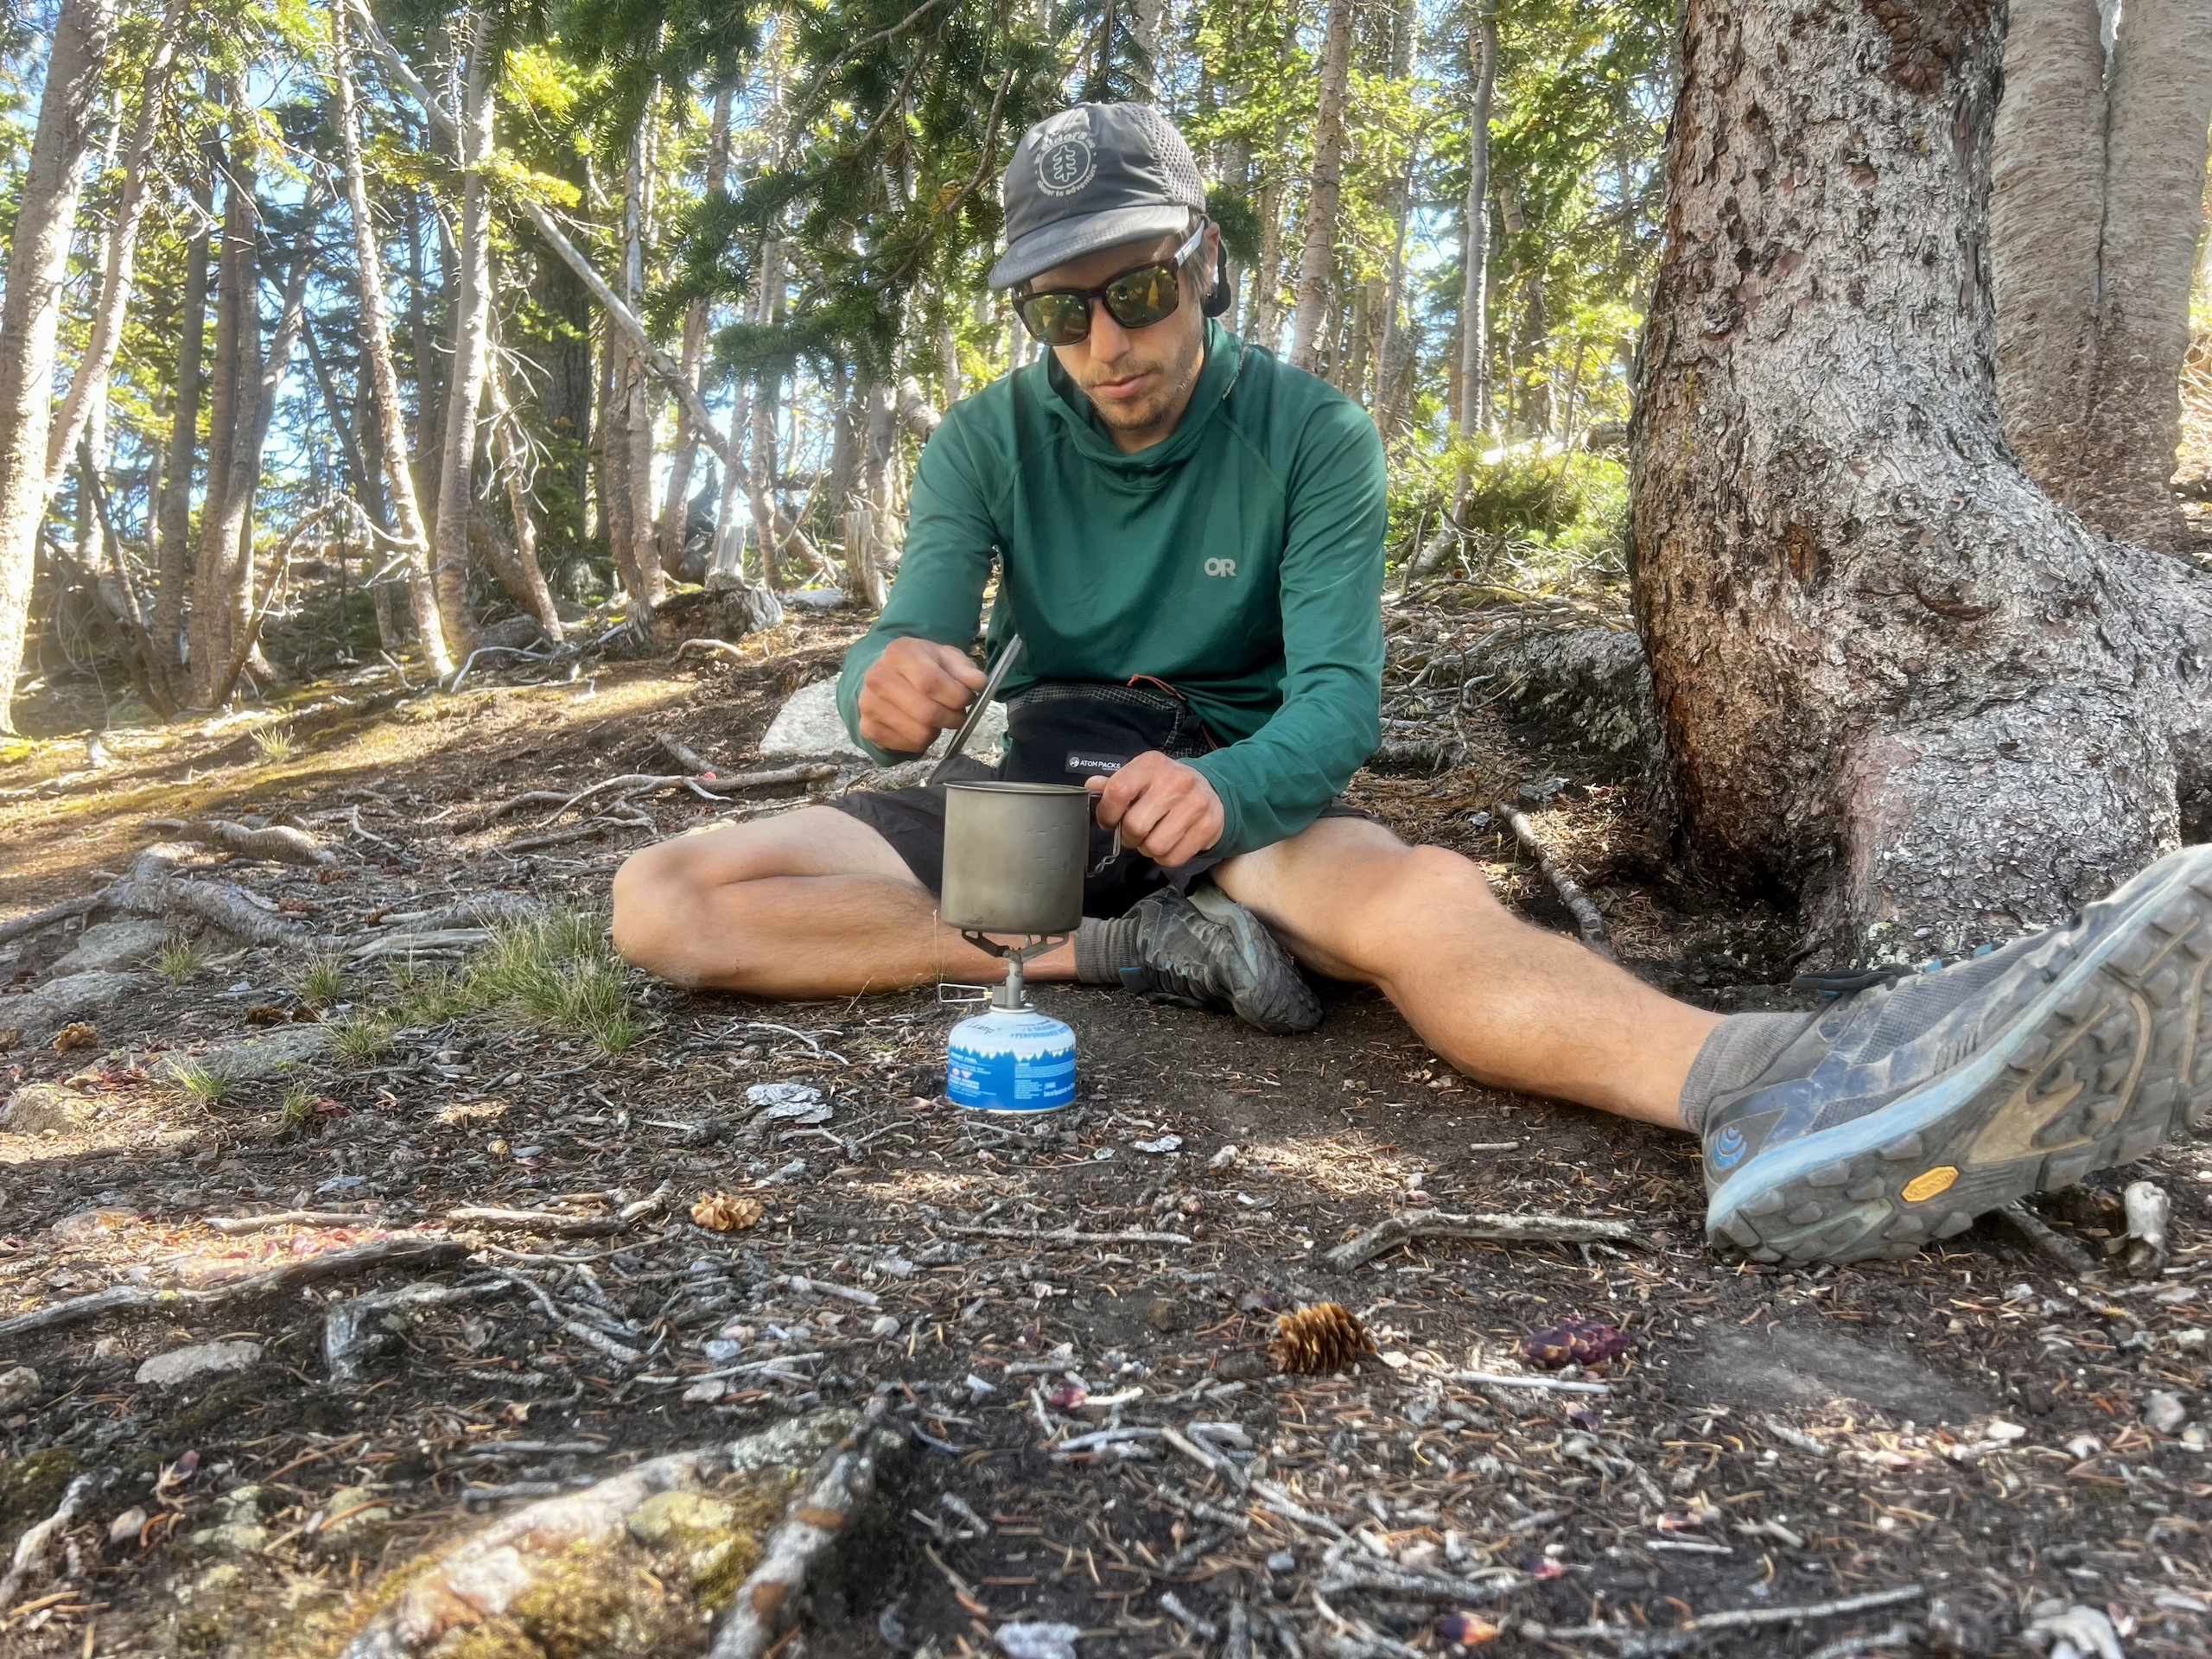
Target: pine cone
point(725, 1212)
point(78, 1033)
point(1324, 1337)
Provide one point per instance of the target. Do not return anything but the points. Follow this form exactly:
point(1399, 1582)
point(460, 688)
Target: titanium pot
point(1014, 855)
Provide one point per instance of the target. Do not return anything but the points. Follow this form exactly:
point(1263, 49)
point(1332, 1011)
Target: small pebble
point(2164, 1413)
point(884, 1325)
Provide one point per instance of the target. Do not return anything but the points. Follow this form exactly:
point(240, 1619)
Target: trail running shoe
point(1208, 952)
point(1904, 1112)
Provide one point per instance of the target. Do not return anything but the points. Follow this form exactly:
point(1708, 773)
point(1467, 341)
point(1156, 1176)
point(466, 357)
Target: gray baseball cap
point(1091, 177)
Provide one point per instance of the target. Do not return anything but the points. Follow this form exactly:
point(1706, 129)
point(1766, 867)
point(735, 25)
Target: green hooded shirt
point(1240, 561)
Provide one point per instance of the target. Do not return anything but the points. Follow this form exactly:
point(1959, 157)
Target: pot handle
point(1101, 865)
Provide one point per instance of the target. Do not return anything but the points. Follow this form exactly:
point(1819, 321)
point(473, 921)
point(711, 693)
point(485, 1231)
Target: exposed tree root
point(345, 1339)
point(23, 927)
point(276, 842)
point(153, 888)
point(400, 1249)
point(30, 1549)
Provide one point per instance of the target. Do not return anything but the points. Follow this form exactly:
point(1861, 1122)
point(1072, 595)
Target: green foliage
point(201, 1086)
point(322, 981)
point(557, 972)
point(179, 960)
point(361, 1039)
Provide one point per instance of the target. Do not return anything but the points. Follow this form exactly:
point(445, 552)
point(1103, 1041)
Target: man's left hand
point(1165, 810)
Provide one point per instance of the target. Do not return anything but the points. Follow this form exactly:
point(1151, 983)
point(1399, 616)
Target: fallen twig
point(1409, 1224)
point(1352, 1573)
point(1554, 1384)
point(1213, 1461)
point(1587, 921)
point(442, 941)
point(682, 752)
point(620, 1352)
point(30, 1549)
point(1639, 1644)
point(636, 783)
point(2043, 1239)
point(1063, 1235)
point(276, 842)
point(233, 1224)
point(399, 1249)
point(712, 647)
point(534, 1221)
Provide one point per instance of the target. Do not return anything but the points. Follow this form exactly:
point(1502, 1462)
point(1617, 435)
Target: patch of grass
point(322, 982)
point(361, 1039)
point(557, 972)
point(274, 743)
point(203, 1088)
point(430, 996)
point(298, 1109)
point(180, 960)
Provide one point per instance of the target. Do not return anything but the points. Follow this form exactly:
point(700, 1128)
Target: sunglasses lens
point(1056, 318)
point(1143, 297)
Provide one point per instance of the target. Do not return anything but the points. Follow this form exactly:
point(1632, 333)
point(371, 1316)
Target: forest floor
point(1977, 1439)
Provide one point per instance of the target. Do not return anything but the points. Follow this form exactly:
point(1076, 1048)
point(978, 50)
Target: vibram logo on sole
point(1928, 1183)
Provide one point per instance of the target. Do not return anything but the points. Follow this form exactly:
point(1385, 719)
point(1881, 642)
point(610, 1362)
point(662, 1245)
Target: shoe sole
point(1292, 1007)
point(2100, 1068)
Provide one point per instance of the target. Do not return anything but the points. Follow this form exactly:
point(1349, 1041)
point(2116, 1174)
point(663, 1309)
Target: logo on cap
point(1066, 164)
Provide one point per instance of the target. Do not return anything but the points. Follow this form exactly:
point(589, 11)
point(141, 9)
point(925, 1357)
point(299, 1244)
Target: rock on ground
point(809, 726)
point(248, 1058)
point(181, 1365)
point(36, 1107)
point(107, 946)
point(55, 1004)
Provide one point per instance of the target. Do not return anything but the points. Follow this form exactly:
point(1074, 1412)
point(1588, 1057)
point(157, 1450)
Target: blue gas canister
point(1011, 1060)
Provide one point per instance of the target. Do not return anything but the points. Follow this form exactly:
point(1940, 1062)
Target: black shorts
point(1062, 733)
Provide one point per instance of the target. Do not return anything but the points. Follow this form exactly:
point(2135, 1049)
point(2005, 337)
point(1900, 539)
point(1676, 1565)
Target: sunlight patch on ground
point(1349, 1166)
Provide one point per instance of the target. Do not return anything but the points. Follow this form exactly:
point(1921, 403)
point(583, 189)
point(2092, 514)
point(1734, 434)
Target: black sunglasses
point(1136, 299)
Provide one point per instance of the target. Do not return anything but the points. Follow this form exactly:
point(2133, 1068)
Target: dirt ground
point(1931, 1456)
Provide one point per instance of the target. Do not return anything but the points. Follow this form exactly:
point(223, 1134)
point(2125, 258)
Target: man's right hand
point(915, 689)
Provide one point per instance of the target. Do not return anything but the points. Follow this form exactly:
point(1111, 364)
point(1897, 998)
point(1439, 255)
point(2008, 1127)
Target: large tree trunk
point(472, 345)
point(236, 366)
point(1317, 259)
point(526, 581)
point(1895, 677)
point(31, 312)
point(677, 504)
point(88, 386)
point(1474, 286)
point(172, 532)
point(379, 369)
point(2094, 215)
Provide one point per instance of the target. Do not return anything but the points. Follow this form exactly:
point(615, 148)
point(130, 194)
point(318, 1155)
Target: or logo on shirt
point(1221, 567)
point(1066, 165)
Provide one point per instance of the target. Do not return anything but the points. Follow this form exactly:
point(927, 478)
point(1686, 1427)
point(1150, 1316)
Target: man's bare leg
point(1508, 1003)
point(810, 903)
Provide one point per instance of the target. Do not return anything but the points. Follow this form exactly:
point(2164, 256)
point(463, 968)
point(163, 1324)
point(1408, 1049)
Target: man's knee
point(653, 887)
point(1420, 892)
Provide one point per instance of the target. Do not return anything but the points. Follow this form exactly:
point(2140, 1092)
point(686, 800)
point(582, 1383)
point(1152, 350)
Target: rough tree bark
point(1474, 288)
point(31, 312)
point(472, 346)
point(88, 386)
point(509, 444)
point(379, 368)
point(1317, 258)
point(677, 504)
point(2094, 215)
point(1894, 675)
point(173, 554)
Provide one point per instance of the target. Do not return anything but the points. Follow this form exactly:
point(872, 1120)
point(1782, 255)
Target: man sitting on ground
point(1189, 536)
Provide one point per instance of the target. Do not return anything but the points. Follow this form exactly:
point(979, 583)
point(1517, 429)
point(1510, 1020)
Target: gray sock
point(1740, 1048)
point(1103, 949)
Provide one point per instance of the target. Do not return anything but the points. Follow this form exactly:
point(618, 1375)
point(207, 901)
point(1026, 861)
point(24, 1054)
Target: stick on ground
point(1587, 921)
point(1408, 1225)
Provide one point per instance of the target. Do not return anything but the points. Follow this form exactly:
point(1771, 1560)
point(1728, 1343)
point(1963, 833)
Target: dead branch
point(767, 1602)
point(1550, 1384)
point(547, 1221)
point(30, 1549)
point(1408, 1225)
point(485, 910)
point(67, 780)
point(620, 1352)
point(23, 927)
point(278, 842)
point(584, 831)
point(1587, 921)
point(1635, 1643)
point(231, 1225)
point(398, 1249)
point(2045, 1240)
point(638, 783)
point(1063, 1235)
point(1353, 1574)
point(344, 1339)
point(443, 940)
